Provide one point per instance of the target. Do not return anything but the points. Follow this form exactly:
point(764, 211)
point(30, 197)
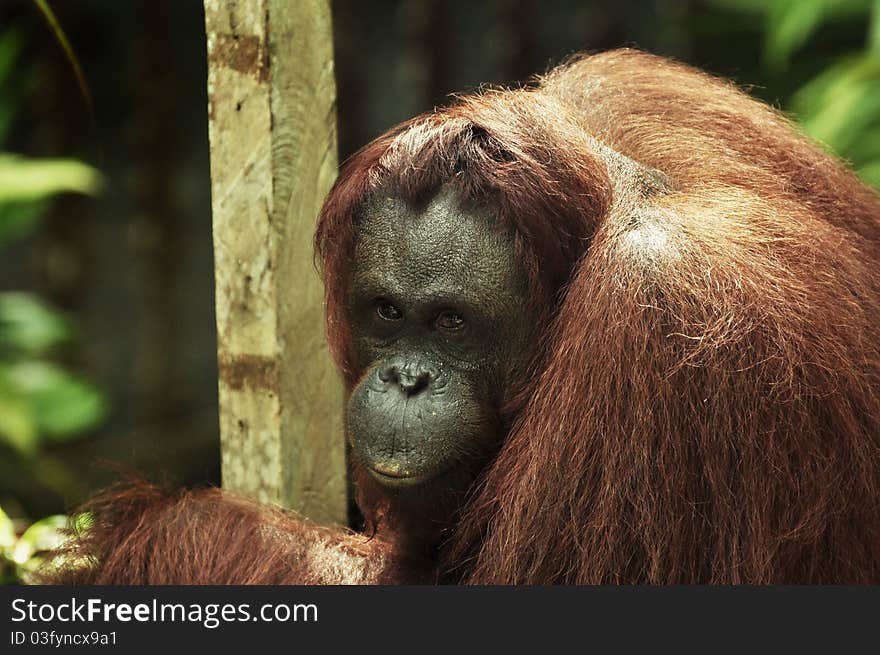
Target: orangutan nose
point(410, 377)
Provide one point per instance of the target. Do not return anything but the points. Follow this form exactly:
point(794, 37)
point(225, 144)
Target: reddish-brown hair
point(709, 404)
point(142, 534)
point(510, 153)
point(705, 404)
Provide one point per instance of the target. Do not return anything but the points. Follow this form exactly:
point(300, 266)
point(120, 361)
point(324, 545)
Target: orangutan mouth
point(397, 478)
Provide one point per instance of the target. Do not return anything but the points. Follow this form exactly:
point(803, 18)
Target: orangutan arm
point(141, 535)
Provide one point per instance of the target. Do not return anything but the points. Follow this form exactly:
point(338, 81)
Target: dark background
point(133, 266)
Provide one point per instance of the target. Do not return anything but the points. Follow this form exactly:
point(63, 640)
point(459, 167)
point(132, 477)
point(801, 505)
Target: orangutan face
point(441, 322)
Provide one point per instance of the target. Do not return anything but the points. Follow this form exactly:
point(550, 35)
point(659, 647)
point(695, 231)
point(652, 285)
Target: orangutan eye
point(388, 312)
point(450, 321)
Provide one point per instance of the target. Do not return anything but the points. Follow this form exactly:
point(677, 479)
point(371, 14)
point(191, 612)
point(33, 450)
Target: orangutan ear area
point(694, 398)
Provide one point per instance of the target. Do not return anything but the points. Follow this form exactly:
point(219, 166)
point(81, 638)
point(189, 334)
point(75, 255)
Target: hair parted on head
point(709, 405)
point(706, 404)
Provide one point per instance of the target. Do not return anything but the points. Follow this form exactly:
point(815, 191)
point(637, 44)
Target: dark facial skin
point(441, 323)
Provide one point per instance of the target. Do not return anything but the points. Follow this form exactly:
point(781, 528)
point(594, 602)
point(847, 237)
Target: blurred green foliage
point(21, 555)
point(839, 106)
point(829, 84)
point(23, 552)
point(40, 401)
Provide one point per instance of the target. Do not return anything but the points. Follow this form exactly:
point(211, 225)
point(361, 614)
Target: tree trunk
point(271, 105)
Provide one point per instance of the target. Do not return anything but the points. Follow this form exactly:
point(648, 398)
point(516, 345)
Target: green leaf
point(31, 179)
point(81, 522)
point(11, 44)
point(64, 405)
point(841, 107)
point(791, 24)
point(874, 31)
point(744, 6)
point(29, 326)
point(8, 110)
point(18, 219)
point(867, 151)
point(870, 173)
point(45, 534)
point(7, 533)
point(18, 424)
point(61, 37)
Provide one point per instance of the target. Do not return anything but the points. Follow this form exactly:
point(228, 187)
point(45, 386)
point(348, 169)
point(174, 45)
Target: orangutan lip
point(399, 480)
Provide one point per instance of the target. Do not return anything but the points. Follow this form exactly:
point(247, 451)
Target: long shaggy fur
point(705, 405)
point(708, 404)
point(142, 534)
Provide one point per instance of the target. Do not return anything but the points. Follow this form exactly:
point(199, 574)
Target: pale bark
point(273, 158)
